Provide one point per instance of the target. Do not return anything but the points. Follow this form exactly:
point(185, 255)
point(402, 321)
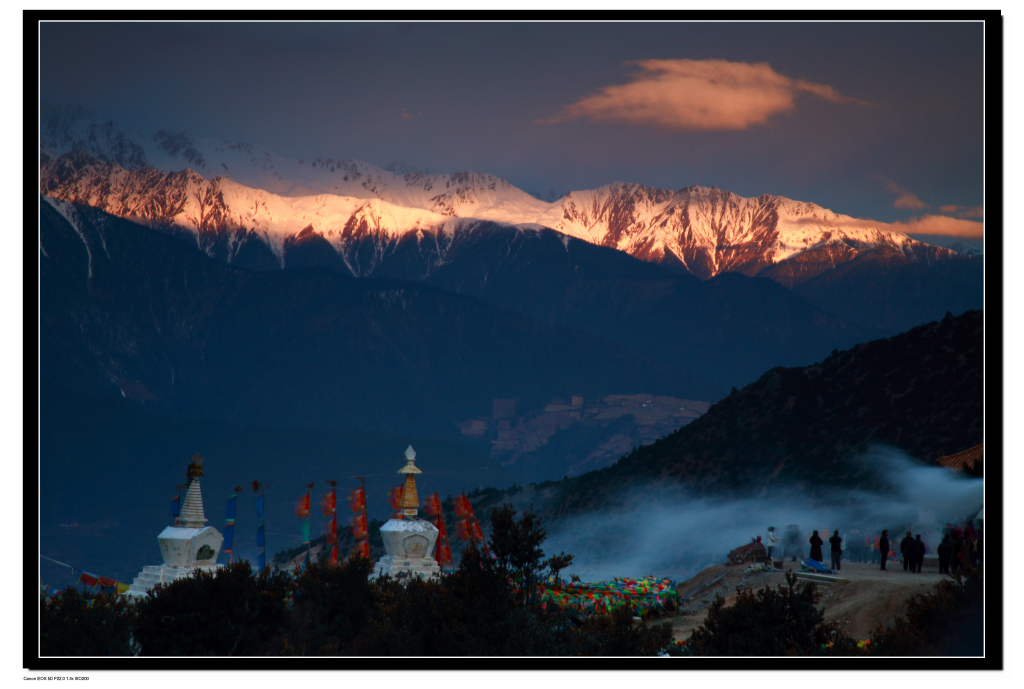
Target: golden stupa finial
point(410, 497)
point(195, 469)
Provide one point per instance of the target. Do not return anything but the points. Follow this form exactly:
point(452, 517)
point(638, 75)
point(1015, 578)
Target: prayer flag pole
point(331, 510)
point(360, 522)
point(229, 524)
point(261, 533)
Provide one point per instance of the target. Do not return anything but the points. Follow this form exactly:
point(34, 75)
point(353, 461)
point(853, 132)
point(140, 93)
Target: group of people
point(912, 551)
point(960, 548)
point(836, 543)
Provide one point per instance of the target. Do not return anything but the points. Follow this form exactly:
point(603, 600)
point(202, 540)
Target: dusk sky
point(874, 120)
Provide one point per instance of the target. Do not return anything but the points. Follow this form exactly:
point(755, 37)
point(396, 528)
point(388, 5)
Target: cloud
point(698, 95)
point(941, 224)
point(964, 211)
point(926, 224)
point(904, 197)
point(931, 223)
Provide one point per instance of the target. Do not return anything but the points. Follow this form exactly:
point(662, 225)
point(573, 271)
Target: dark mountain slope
point(877, 290)
point(920, 392)
point(701, 331)
point(132, 312)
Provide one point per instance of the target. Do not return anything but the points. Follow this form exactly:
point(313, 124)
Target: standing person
point(919, 549)
point(770, 542)
point(837, 550)
point(907, 552)
point(945, 550)
point(816, 544)
point(883, 547)
point(954, 553)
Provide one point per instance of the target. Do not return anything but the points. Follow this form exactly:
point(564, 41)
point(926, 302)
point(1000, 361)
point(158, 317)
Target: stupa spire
point(192, 514)
point(410, 497)
point(187, 545)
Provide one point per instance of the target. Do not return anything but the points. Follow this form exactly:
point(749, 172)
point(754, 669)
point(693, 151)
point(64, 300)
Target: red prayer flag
point(444, 553)
point(358, 499)
point(89, 579)
point(360, 527)
point(331, 503)
point(395, 497)
point(107, 582)
point(305, 504)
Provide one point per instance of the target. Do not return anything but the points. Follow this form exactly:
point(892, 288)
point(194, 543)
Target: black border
point(993, 80)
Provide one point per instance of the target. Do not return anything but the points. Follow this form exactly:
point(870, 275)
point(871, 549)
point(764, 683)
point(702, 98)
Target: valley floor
point(870, 598)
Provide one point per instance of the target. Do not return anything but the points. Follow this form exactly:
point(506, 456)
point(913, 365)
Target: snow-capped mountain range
point(233, 196)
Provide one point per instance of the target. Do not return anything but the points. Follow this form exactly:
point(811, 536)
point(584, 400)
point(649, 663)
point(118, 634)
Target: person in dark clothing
point(907, 551)
point(954, 554)
point(883, 546)
point(837, 550)
point(919, 549)
point(945, 552)
point(816, 544)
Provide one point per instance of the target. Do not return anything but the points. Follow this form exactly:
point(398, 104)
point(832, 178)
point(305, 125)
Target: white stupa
point(187, 545)
point(408, 542)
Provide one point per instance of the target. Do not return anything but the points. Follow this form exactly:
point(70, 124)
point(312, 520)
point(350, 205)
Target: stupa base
point(401, 567)
point(152, 575)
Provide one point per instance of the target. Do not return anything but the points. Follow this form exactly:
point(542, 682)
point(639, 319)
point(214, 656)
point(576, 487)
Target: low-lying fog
point(680, 539)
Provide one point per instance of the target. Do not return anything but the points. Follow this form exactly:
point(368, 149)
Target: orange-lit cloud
point(698, 94)
point(964, 211)
point(904, 197)
point(941, 224)
point(925, 224)
point(937, 224)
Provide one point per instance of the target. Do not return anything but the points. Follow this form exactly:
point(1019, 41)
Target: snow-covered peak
point(706, 229)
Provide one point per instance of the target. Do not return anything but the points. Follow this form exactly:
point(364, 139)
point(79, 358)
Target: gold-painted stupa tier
point(410, 496)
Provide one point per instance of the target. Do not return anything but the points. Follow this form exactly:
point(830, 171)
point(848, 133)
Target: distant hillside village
point(619, 422)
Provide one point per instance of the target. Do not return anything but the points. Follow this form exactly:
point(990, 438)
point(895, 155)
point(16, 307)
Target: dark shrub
point(72, 625)
point(779, 621)
point(947, 621)
point(232, 612)
point(332, 605)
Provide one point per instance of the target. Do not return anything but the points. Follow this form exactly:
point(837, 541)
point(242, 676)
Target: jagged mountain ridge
point(271, 199)
point(694, 333)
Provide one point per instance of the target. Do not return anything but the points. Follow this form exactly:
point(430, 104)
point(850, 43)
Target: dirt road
point(871, 597)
